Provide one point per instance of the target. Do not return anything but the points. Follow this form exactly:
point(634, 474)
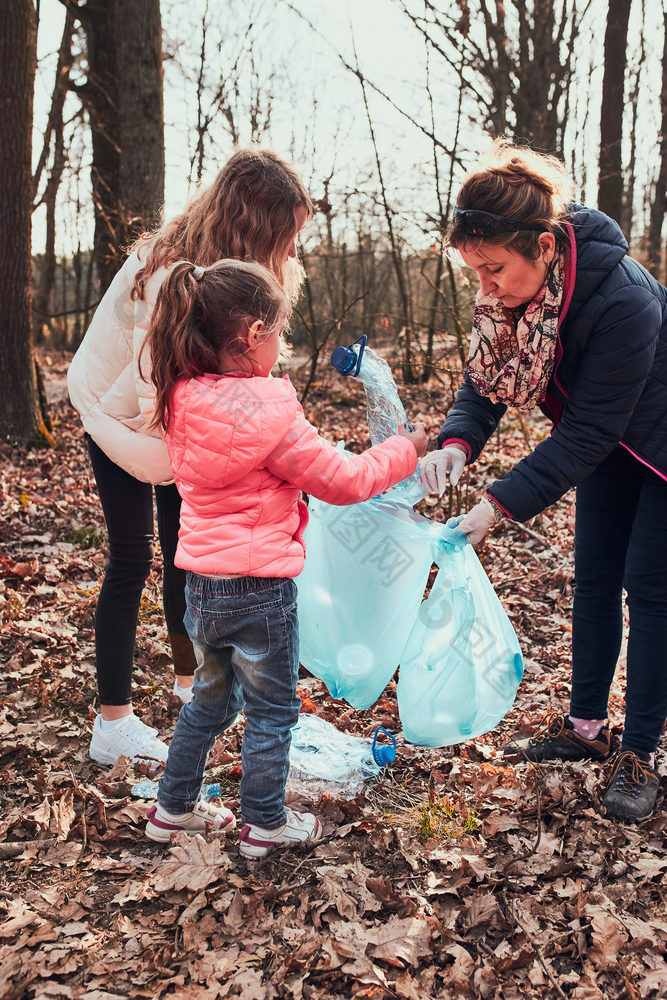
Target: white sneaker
point(184, 693)
point(298, 828)
point(161, 824)
point(130, 738)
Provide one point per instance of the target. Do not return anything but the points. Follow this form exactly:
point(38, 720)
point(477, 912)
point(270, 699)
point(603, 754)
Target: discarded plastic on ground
point(147, 789)
point(324, 759)
point(361, 608)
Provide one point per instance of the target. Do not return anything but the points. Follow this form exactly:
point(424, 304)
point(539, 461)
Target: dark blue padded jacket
point(609, 386)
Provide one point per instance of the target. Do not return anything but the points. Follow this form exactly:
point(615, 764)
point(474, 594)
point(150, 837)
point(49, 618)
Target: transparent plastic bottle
point(386, 412)
point(437, 687)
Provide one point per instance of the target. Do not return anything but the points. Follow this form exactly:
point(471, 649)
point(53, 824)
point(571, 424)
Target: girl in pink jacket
point(253, 210)
point(242, 452)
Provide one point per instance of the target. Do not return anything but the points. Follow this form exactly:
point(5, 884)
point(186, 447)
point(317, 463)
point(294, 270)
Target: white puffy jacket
point(104, 383)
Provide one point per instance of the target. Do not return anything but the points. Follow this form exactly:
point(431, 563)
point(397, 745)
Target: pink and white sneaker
point(205, 815)
point(298, 828)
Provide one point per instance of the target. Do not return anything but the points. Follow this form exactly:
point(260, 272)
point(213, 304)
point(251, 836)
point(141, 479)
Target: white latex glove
point(476, 523)
point(438, 465)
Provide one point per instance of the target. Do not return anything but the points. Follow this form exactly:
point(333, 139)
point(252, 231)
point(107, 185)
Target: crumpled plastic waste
point(325, 760)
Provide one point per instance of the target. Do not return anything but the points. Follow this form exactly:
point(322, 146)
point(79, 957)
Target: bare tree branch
point(357, 72)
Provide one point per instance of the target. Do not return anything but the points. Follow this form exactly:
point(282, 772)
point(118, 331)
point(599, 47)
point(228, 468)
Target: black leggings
point(128, 510)
point(620, 542)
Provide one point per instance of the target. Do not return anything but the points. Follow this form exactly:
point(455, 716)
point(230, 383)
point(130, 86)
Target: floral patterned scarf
point(512, 356)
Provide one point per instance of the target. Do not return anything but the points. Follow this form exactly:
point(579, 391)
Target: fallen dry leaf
point(609, 936)
point(403, 941)
point(459, 975)
point(193, 863)
point(94, 911)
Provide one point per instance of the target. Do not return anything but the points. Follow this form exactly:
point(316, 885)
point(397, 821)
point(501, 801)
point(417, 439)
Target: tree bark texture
point(124, 99)
point(657, 250)
point(610, 183)
point(20, 418)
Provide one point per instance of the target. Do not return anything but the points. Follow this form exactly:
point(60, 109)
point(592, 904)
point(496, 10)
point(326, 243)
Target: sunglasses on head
point(479, 223)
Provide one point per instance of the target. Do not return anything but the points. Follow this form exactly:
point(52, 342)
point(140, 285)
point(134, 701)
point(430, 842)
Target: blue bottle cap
point(383, 753)
point(343, 359)
point(346, 360)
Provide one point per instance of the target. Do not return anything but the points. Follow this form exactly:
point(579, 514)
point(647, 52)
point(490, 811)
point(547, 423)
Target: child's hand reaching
point(417, 436)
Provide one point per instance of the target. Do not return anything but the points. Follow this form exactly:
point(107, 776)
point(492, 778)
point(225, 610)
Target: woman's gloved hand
point(476, 523)
point(438, 465)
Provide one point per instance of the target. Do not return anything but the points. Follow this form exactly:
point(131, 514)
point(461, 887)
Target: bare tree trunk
point(444, 210)
point(77, 266)
point(124, 99)
point(139, 81)
point(90, 303)
point(442, 221)
point(64, 302)
point(610, 183)
point(21, 418)
point(203, 121)
point(655, 246)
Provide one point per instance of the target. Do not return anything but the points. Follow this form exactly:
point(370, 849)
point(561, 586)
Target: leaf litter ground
point(454, 875)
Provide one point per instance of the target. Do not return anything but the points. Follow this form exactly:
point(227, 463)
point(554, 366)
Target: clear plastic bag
point(384, 410)
point(147, 789)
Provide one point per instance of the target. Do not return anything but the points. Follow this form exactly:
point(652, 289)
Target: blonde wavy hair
point(519, 183)
point(246, 214)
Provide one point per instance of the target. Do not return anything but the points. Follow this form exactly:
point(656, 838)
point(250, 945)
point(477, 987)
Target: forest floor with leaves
point(456, 874)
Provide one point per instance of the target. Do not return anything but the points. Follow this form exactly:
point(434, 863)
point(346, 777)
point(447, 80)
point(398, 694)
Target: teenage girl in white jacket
point(254, 210)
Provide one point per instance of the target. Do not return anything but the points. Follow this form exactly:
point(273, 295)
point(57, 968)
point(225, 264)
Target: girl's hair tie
point(198, 273)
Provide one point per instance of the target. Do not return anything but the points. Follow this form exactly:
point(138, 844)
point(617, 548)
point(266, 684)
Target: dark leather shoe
point(557, 739)
point(632, 788)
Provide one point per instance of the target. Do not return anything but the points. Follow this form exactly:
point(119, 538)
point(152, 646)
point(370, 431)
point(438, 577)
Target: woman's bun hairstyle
point(515, 182)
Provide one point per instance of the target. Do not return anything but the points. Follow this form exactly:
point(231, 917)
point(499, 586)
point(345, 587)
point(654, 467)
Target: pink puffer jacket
point(241, 452)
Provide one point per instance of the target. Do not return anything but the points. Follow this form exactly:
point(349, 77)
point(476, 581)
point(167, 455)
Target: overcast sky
point(317, 116)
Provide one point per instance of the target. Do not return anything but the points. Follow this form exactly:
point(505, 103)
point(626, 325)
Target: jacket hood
point(230, 424)
point(600, 247)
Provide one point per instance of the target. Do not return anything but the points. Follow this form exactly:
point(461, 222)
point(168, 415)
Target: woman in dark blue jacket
point(566, 321)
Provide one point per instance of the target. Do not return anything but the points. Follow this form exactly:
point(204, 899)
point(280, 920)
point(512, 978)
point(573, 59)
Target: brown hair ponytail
point(201, 313)
point(516, 183)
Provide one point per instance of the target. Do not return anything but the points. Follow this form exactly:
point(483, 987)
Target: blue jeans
point(246, 640)
point(620, 541)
